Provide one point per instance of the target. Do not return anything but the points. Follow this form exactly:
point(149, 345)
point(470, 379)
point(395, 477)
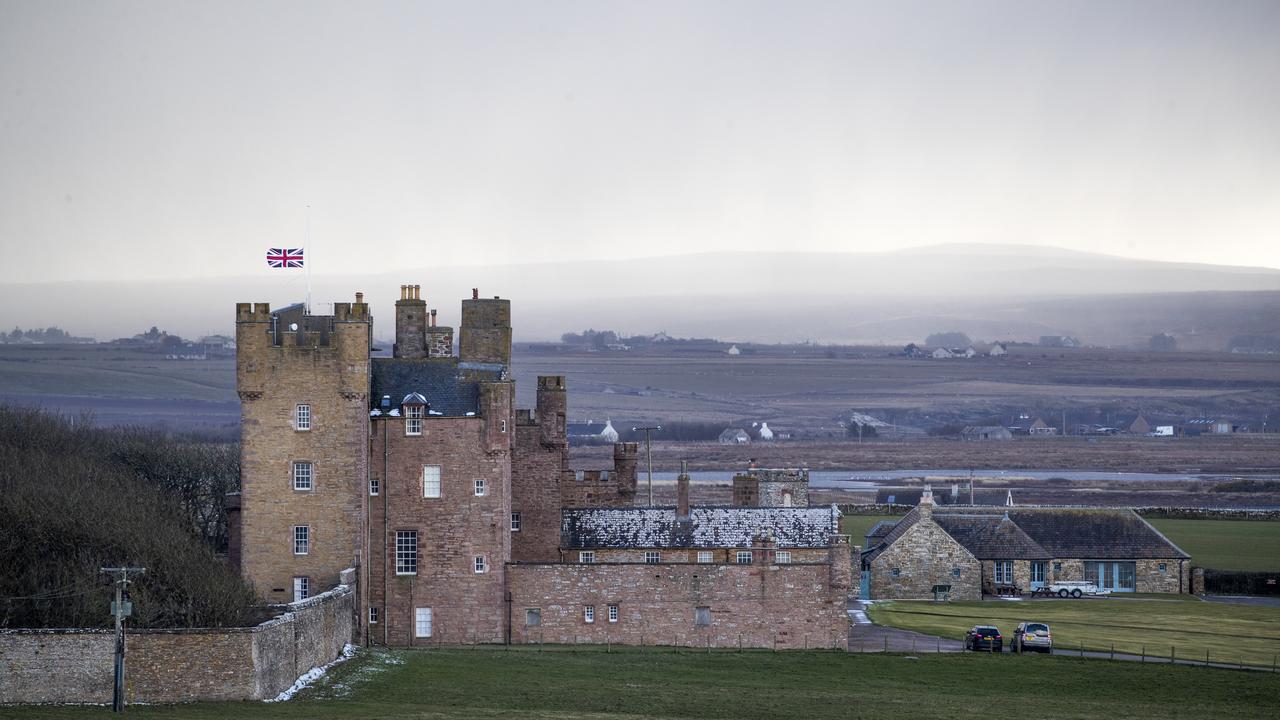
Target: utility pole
point(648, 452)
point(121, 609)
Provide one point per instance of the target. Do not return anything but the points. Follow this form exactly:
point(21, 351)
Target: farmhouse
point(985, 432)
point(461, 517)
point(593, 432)
point(734, 436)
point(980, 551)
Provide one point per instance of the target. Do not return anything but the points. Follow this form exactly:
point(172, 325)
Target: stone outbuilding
point(1014, 550)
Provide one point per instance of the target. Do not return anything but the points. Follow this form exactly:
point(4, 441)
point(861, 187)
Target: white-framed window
point(301, 539)
point(533, 617)
point(652, 557)
point(588, 613)
point(422, 622)
point(783, 557)
point(413, 420)
point(515, 522)
point(705, 556)
point(480, 563)
point(304, 475)
point(613, 613)
point(482, 488)
point(406, 552)
point(373, 616)
point(302, 417)
point(702, 616)
point(502, 426)
point(301, 588)
point(744, 557)
point(375, 486)
point(1004, 571)
point(587, 556)
point(430, 481)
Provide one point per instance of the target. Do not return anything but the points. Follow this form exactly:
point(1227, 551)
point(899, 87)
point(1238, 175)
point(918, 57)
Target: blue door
point(1037, 575)
point(864, 590)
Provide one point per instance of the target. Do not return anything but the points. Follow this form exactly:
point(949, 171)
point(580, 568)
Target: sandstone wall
point(787, 606)
point(166, 666)
point(925, 556)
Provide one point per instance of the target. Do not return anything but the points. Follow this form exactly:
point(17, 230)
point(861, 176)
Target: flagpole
point(306, 261)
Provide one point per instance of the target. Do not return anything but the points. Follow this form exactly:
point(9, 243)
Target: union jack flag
point(284, 257)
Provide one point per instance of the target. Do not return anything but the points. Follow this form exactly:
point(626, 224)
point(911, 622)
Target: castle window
point(502, 426)
point(481, 564)
point(533, 617)
point(783, 557)
point(613, 613)
point(373, 616)
point(301, 539)
point(301, 588)
point(374, 486)
point(406, 552)
point(413, 419)
point(515, 522)
point(704, 556)
point(589, 613)
point(422, 622)
point(702, 616)
point(786, 499)
point(653, 557)
point(430, 481)
point(302, 417)
point(480, 488)
point(744, 557)
point(587, 557)
point(303, 475)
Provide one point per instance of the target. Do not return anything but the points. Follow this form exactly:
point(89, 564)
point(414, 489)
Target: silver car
point(1032, 636)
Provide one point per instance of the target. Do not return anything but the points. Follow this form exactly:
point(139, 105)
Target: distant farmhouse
point(593, 432)
point(985, 432)
point(975, 551)
point(734, 436)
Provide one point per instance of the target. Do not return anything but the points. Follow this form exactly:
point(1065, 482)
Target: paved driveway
point(865, 636)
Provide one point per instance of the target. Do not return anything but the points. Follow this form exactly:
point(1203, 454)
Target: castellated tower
point(303, 382)
point(485, 333)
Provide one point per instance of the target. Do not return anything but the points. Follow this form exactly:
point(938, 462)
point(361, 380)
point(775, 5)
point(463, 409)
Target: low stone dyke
point(71, 665)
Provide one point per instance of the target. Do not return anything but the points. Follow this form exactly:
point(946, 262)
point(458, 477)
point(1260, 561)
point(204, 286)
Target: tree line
point(74, 498)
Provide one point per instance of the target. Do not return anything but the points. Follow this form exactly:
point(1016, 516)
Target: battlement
point(626, 450)
point(551, 382)
point(253, 312)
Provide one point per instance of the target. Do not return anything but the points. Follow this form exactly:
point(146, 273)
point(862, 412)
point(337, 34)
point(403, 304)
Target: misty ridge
point(990, 292)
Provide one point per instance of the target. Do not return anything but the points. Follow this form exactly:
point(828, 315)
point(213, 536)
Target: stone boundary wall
point(1173, 513)
point(791, 607)
point(70, 665)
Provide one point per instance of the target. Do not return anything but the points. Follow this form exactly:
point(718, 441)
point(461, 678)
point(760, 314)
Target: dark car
point(985, 638)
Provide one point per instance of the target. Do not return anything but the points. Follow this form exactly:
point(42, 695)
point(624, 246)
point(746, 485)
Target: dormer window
point(415, 408)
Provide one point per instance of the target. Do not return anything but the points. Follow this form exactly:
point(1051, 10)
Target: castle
point(462, 518)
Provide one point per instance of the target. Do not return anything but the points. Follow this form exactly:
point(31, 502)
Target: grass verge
point(1230, 633)
point(486, 683)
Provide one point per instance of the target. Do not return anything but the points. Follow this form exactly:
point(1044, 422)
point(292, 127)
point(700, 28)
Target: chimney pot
point(359, 298)
point(475, 293)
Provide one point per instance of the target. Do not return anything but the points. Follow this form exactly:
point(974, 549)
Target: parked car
point(1075, 589)
point(1032, 636)
point(984, 637)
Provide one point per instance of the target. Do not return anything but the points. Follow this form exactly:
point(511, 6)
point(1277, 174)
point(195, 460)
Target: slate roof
point(878, 531)
point(448, 388)
point(911, 496)
point(709, 527)
point(1084, 533)
point(991, 537)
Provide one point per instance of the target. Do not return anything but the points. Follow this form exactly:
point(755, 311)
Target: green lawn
point(648, 683)
point(1226, 544)
point(856, 526)
point(1229, 632)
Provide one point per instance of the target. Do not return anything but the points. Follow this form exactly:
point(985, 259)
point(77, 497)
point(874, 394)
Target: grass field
point(1231, 633)
point(489, 683)
point(856, 526)
point(1226, 544)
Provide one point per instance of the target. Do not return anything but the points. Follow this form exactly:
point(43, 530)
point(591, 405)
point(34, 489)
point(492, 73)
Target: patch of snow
point(394, 413)
point(315, 673)
point(434, 412)
point(471, 413)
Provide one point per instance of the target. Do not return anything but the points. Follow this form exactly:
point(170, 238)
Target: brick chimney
point(682, 492)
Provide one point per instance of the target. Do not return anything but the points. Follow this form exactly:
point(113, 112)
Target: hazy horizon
point(142, 141)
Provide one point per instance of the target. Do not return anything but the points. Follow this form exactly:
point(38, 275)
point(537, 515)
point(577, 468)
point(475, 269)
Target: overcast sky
point(169, 139)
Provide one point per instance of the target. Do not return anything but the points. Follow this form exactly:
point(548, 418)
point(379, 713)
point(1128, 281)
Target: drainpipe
point(386, 490)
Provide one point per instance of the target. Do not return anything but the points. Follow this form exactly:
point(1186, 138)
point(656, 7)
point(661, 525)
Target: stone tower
point(303, 382)
point(485, 333)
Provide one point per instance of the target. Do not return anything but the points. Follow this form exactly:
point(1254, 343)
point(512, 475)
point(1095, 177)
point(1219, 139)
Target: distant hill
point(988, 291)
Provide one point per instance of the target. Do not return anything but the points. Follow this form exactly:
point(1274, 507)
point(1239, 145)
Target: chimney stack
point(475, 293)
point(359, 297)
point(682, 492)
